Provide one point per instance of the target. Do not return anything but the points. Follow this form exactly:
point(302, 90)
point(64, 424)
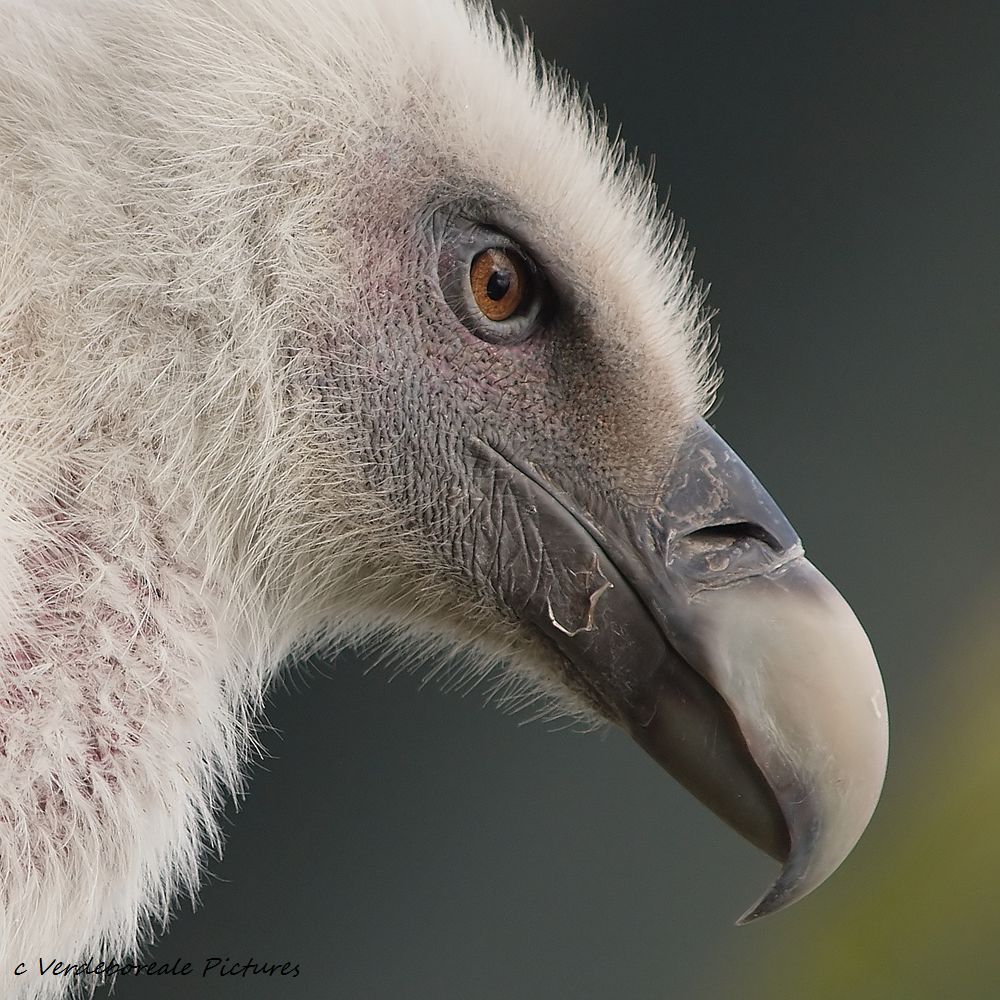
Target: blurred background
point(838, 169)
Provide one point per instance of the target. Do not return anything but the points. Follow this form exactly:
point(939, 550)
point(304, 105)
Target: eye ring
point(499, 281)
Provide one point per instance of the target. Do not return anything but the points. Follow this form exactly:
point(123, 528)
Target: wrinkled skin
point(578, 399)
point(582, 399)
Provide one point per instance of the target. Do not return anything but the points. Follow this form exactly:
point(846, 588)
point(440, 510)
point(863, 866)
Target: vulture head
point(330, 319)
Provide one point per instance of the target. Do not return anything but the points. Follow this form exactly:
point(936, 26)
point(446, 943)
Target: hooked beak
point(702, 630)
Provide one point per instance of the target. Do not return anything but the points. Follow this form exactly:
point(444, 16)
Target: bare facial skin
point(334, 321)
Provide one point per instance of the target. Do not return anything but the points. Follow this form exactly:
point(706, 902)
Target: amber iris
point(499, 283)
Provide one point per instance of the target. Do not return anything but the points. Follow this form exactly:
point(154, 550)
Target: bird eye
point(499, 281)
point(495, 289)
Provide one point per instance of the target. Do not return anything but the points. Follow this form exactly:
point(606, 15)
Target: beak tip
point(780, 895)
point(764, 908)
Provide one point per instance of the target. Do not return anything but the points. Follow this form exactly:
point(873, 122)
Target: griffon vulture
point(342, 318)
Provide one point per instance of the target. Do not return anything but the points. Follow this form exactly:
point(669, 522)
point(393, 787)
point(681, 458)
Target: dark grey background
point(837, 167)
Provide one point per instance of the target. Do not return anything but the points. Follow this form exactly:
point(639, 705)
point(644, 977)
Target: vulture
point(329, 320)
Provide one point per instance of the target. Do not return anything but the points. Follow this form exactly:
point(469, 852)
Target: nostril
point(722, 552)
point(717, 536)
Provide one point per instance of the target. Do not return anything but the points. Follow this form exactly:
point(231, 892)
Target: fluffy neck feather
point(125, 714)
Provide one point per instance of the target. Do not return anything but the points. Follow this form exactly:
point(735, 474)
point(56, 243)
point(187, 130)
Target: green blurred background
point(838, 168)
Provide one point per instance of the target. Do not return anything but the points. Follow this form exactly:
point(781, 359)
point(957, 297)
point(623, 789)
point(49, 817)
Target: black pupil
point(499, 284)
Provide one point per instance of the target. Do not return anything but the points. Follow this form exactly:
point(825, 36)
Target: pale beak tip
point(816, 722)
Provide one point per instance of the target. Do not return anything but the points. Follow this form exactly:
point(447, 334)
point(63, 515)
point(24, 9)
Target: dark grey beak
point(701, 629)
